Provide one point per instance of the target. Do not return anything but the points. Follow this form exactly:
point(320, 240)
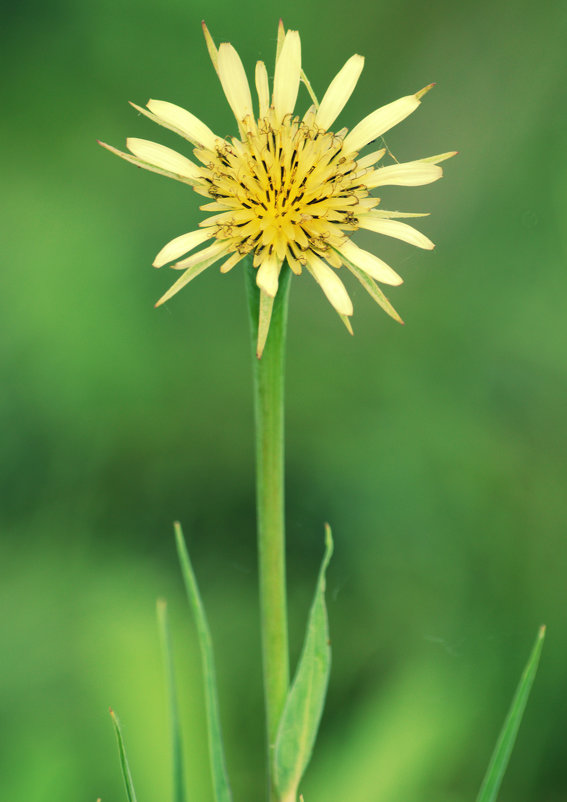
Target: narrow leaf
point(176, 740)
point(218, 766)
point(501, 755)
point(130, 793)
point(304, 705)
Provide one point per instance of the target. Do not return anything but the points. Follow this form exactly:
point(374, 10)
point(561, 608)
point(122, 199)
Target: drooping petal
point(181, 245)
point(287, 76)
point(331, 284)
point(393, 228)
point(339, 91)
point(268, 274)
point(234, 82)
point(162, 157)
point(371, 264)
point(181, 121)
point(406, 174)
point(380, 121)
point(263, 88)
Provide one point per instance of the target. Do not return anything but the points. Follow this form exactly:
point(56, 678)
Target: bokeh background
point(436, 450)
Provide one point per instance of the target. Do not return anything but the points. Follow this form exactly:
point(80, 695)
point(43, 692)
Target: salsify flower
point(289, 188)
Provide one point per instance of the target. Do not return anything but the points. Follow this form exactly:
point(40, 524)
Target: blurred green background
point(437, 450)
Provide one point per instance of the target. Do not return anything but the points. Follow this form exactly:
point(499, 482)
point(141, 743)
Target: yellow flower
point(289, 188)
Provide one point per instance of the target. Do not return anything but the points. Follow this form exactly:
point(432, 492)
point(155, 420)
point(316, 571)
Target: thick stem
point(269, 419)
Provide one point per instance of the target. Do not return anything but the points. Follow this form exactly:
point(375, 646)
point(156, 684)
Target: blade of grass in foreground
point(503, 749)
point(218, 765)
point(130, 793)
point(176, 740)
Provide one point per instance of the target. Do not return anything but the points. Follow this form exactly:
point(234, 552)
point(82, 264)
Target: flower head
point(289, 188)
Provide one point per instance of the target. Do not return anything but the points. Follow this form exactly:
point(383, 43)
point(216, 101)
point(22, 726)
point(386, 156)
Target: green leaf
point(218, 766)
point(130, 793)
point(176, 740)
point(304, 705)
point(503, 749)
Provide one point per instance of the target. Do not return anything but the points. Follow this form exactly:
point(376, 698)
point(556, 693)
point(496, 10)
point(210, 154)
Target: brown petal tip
point(424, 91)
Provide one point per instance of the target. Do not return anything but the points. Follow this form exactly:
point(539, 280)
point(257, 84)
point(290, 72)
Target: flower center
point(288, 188)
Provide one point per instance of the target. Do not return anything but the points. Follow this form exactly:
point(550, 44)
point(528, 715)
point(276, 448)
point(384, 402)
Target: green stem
point(269, 420)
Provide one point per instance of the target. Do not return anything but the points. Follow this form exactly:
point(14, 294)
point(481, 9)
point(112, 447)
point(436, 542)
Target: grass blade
point(304, 705)
point(176, 739)
point(503, 749)
point(218, 766)
point(130, 793)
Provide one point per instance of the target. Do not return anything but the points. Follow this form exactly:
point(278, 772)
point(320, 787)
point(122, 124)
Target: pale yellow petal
point(380, 121)
point(370, 159)
point(441, 157)
point(393, 228)
point(183, 122)
point(406, 174)
point(330, 283)
point(190, 273)
point(181, 245)
point(339, 91)
point(287, 75)
point(162, 157)
point(263, 88)
point(280, 39)
point(390, 215)
point(371, 264)
point(230, 218)
point(212, 252)
point(149, 167)
point(234, 82)
point(268, 274)
point(233, 260)
point(215, 206)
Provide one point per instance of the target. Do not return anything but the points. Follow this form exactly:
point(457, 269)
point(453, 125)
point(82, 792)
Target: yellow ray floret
point(287, 189)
